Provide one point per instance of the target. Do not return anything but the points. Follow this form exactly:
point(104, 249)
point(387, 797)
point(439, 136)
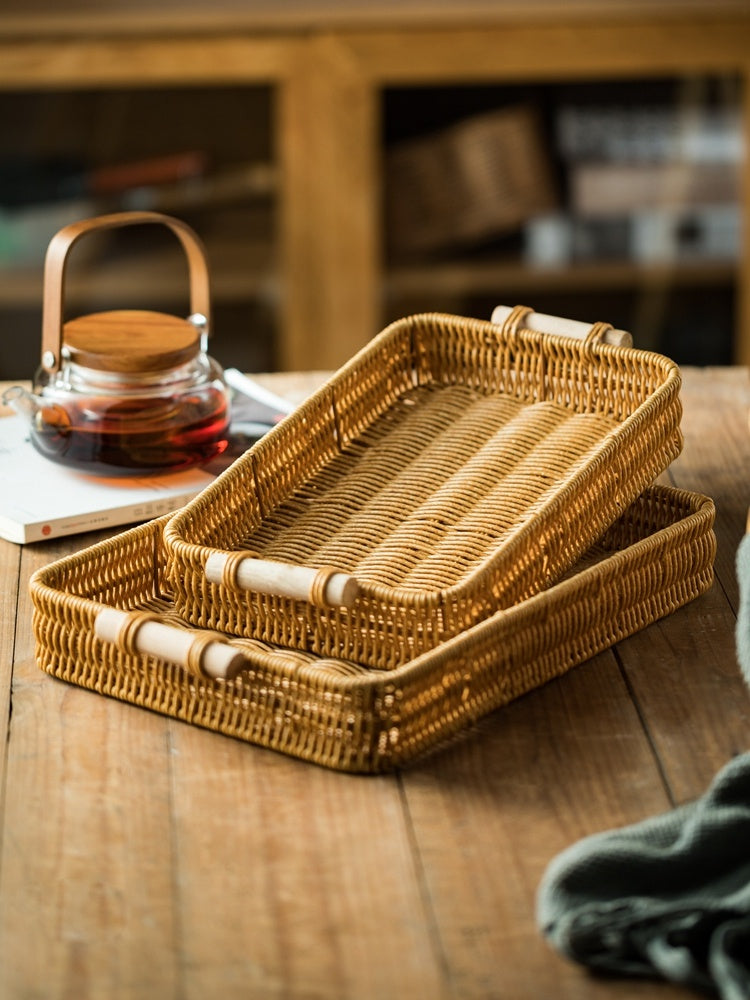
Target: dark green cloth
point(667, 897)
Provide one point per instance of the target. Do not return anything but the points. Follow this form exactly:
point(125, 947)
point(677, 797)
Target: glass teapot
point(129, 392)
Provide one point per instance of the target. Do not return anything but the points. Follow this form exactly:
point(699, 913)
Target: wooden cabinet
point(77, 153)
point(616, 198)
point(309, 90)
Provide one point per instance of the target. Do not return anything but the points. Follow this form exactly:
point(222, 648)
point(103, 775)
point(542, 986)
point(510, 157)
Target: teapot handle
point(55, 264)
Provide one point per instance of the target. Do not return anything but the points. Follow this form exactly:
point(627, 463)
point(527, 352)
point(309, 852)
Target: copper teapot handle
point(55, 264)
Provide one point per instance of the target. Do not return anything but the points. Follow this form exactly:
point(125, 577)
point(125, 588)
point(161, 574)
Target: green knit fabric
point(667, 897)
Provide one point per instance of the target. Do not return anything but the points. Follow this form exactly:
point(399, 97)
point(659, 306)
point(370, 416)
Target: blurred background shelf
point(149, 278)
point(613, 197)
point(306, 120)
point(460, 279)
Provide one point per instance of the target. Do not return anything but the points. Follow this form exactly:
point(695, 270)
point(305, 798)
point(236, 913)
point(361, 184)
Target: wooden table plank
point(683, 670)
point(86, 907)
point(10, 565)
point(715, 457)
point(685, 680)
point(490, 813)
point(293, 881)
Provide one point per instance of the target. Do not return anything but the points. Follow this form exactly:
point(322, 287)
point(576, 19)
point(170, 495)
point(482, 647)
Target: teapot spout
point(49, 423)
point(25, 403)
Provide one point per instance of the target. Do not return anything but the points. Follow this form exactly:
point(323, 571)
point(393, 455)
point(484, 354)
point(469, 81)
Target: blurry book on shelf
point(694, 233)
point(645, 134)
point(652, 183)
point(25, 232)
point(557, 240)
point(617, 188)
point(38, 198)
point(25, 182)
point(222, 186)
point(707, 233)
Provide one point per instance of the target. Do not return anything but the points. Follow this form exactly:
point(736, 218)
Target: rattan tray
point(451, 468)
point(655, 558)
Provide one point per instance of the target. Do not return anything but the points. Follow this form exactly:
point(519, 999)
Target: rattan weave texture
point(453, 467)
point(655, 558)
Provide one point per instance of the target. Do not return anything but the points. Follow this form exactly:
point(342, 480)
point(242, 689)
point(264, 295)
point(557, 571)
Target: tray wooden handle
point(324, 587)
point(541, 323)
point(202, 653)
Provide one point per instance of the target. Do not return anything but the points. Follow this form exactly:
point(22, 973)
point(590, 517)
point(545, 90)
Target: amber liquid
point(133, 437)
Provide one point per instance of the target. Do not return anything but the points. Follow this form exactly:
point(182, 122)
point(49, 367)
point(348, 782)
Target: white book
point(41, 500)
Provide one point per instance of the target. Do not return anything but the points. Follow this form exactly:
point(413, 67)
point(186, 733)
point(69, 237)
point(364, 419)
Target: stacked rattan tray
point(463, 512)
point(655, 558)
point(452, 468)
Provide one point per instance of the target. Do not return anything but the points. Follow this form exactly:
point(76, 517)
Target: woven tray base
point(410, 507)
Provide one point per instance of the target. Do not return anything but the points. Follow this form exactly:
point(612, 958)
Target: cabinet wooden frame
point(328, 83)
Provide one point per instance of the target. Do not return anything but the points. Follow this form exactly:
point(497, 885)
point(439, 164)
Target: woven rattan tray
point(655, 558)
point(452, 468)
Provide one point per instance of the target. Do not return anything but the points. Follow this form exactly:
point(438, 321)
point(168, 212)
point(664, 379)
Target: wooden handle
point(202, 653)
point(540, 323)
point(56, 261)
point(324, 587)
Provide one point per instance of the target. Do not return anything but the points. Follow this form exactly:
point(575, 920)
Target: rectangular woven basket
point(453, 467)
point(477, 179)
point(654, 559)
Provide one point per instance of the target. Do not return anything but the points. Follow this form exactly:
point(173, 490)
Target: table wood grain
point(144, 858)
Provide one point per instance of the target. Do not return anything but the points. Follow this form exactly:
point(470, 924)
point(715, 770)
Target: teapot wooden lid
point(130, 341)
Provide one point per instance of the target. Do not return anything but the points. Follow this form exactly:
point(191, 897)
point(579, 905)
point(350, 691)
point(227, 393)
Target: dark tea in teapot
point(127, 437)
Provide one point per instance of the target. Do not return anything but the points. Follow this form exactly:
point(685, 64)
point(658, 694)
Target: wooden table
point(144, 858)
